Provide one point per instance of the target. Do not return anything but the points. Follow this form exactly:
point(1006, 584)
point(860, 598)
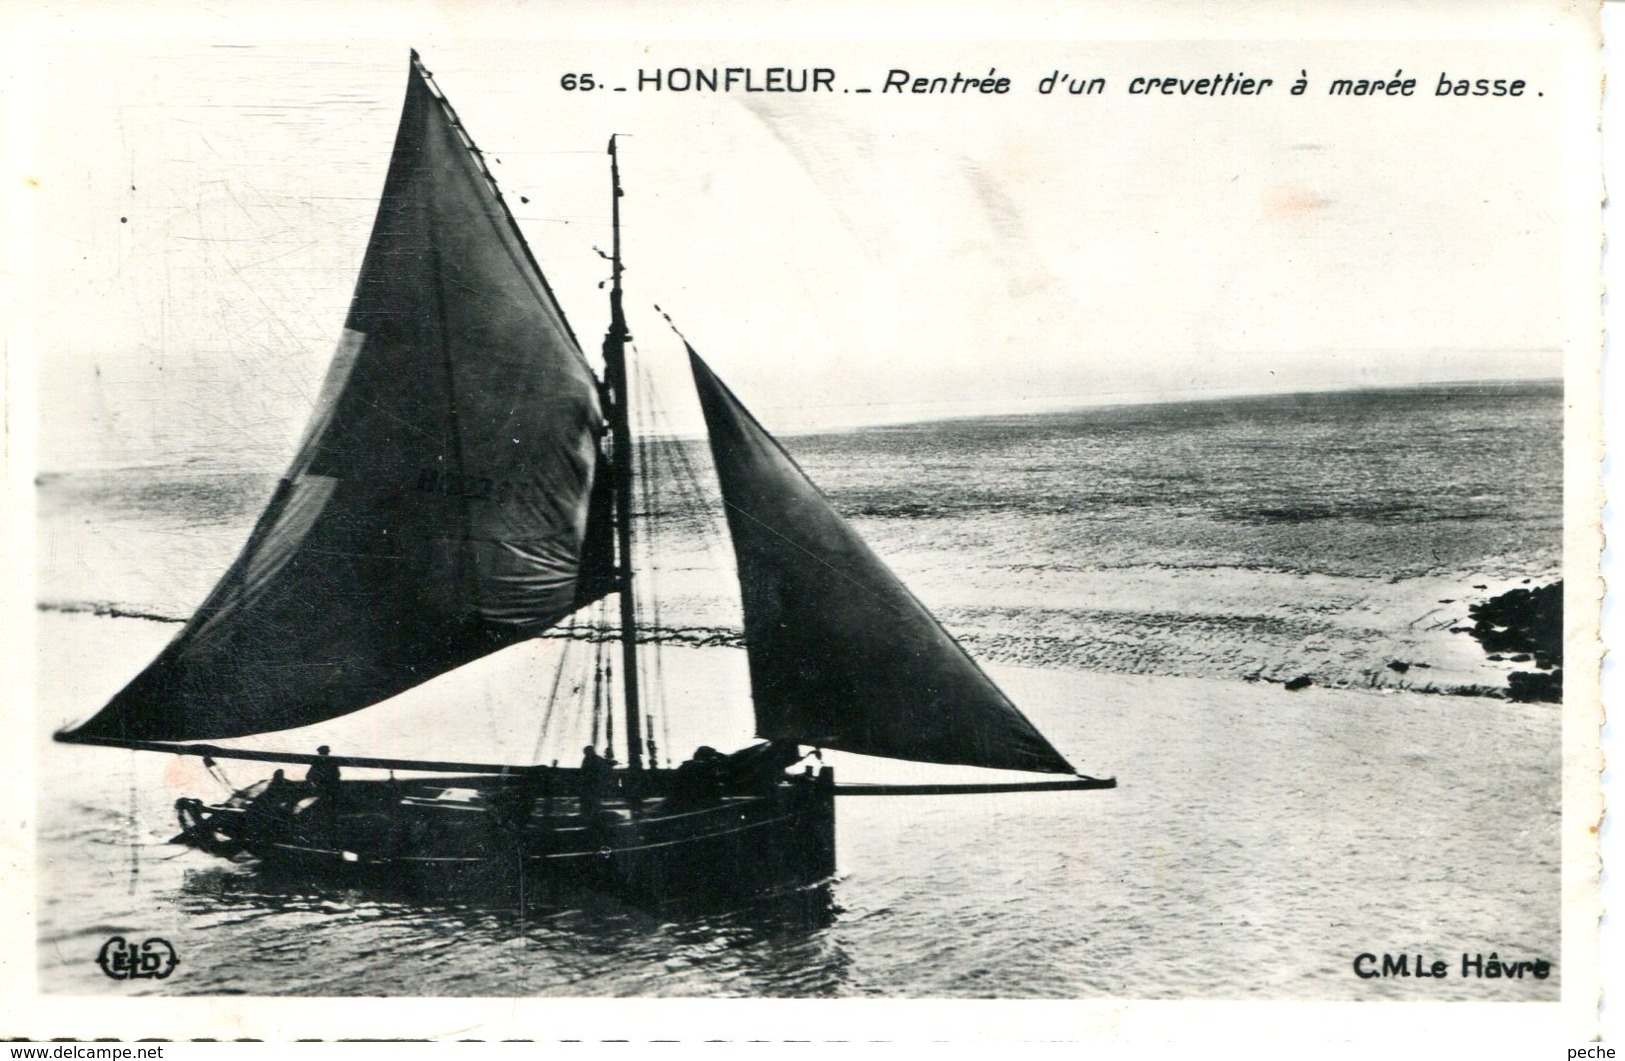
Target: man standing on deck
point(323, 775)
point(595, 777)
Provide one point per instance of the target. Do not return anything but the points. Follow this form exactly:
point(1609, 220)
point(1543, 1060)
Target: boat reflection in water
point(468, 482)
point(494, 899)
point(589, 943)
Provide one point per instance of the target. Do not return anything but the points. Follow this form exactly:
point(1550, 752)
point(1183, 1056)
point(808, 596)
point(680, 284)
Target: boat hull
point(460, 837)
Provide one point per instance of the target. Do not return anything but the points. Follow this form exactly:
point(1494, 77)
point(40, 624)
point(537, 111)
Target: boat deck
point(654, 848)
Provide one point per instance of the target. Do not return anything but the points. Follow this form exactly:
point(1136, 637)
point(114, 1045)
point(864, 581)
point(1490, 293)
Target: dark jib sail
point(438, 508)
point(841, 653)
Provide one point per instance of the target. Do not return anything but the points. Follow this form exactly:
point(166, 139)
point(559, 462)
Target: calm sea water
point(1139, 579)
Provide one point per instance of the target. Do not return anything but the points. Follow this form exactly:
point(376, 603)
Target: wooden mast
point(621, 473)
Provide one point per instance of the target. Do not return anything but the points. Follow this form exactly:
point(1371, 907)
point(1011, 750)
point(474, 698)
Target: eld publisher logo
point(153, 960)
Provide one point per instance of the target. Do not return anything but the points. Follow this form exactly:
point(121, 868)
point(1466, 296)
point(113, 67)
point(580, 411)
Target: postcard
point(1075, 525)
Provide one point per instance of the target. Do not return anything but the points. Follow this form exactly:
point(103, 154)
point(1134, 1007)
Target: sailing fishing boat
point(465, 484)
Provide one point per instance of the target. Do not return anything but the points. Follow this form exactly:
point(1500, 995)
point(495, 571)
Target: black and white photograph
point(578, 502)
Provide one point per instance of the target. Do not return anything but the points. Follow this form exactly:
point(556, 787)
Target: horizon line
point(1012, 407)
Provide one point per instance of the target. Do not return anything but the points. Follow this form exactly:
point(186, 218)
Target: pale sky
point(839, 258)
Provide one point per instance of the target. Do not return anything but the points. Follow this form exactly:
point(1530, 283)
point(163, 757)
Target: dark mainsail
point(443, 502)
point(841, 653)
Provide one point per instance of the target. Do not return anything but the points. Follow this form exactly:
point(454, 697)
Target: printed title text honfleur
point(1216, 84)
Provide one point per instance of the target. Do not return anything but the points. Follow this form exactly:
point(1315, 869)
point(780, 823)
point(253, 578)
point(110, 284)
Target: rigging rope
point(577, 707)
point(609, 709)
point(651, 482)
point(598, 682)
point(688, 505)
point(705, 509)
point(553, 693)
point(219, 774)
point(643, 541)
